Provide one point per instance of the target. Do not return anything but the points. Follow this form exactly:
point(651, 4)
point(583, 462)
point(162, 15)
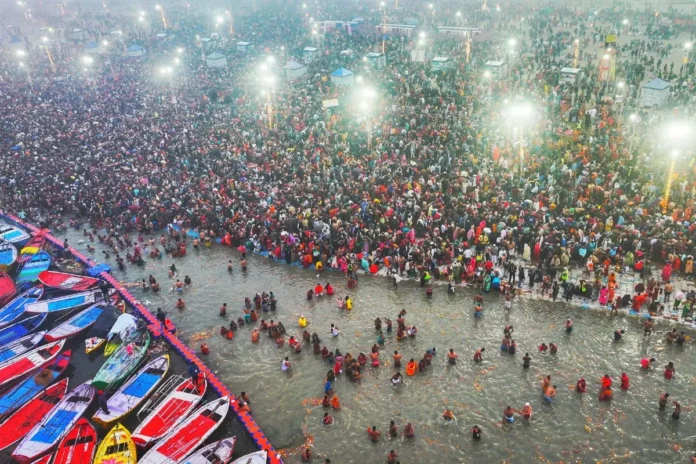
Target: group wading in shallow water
point(577, 201)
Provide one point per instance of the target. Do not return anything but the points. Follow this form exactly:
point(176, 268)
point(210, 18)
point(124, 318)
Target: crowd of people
point(431, 183)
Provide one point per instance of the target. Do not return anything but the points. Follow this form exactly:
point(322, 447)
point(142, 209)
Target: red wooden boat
point(65, 281)
point(26, 417)
point(7, 288)
point(28, 362)
point(189, 434)
point(78, 446)
point(163, 415)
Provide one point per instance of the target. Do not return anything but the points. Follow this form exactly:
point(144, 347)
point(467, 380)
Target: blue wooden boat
point(64, 303)
point(27, 389)
point(33, 267)
point(8, 255)
point(21, 346)
point(20, 329)
point(14, 234)
point(47, 433)
point(15, 308)
point(75, 324)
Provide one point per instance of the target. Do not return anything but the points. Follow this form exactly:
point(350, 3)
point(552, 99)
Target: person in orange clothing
point(606, 394)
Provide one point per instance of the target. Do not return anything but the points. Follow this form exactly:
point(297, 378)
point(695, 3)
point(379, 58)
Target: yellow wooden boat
point(117, 448)
point(93, 344)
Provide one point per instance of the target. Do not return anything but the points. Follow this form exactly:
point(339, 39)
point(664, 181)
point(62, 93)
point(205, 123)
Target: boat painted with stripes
point(117, 448)
point(132, 393)
point(28, 362)
point(219, 452)
point(33, 266)
point(123, 362)
point(21, 346)
point(32, 247)
point(28, 388)
point(14, 332)
point(64, 303)
point(78, 446)
point(15, 308)
point(124, 325)
point(167, 408)
point(30, 414)
point(76, 324)
point(65, 281)
point(54, 426)
point(189, 434)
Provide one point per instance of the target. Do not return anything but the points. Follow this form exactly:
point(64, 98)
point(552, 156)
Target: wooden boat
point(20, 329)
point(124, 361)
point(132, 393)
point(22, 392)
point(170, 405)
point(259, 457)
point(7, 288)
point(64, 281)
point(54, 426)
point(117, 448)
point(15, 308)
point(219, 452)
point(30, 414)
point(78, 446)
point(94, 343)
point(124, 325)
point(28, 362)
point(32, 247)
point(13, 234)
point(189, 434)
point(64, 303)
point(33, 266)
point(75, 324)
point(21, 346)
point(8, 255)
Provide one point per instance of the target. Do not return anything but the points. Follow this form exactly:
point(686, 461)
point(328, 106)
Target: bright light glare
point(158, 7)
point(688, 45)
point(105, 43)
point(271, 59)
point(678, 130)
point(359, 79)
point(620, 85)
point(633, 117)
point(459, 13)
point(675, 153)
point(368, 92)
point(21, 53)
point(87, 59)
point(487, 74)
point(45, 39)
point(625, 21)
point(180, 50)
point(421, 35)
point(512, 42)
point(219, 20)
point(521, 113)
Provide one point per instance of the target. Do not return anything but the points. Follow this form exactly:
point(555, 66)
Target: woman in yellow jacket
point(349, 303)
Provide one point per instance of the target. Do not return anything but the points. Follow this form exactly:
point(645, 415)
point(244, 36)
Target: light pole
point(634, 119)
point(677, 136)
point(22, 54)
point(161, 10)
point(687, 51)
point(519, 116)
point(366, 97)
point(384, 26)
point(229, 17)
point(576, 54)
point(268, 81)
point(48, 54)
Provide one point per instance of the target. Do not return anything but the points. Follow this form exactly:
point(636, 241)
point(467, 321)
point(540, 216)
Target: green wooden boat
point(123, 362)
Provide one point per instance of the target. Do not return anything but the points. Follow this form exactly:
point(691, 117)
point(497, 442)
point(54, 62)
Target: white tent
point(92, 48)
point(136, 50)
point(440, 63)
point(570, 75)
point(377, 60)
point(342, 77)
point(310, 53)
point(498, 69)
point(655, 93)
point(216, 60)
point(244, 46)
point(77, 34)
point(294, 70)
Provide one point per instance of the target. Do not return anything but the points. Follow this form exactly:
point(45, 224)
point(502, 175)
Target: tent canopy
point(216, 56)
point(657, 84)
point(293, 65)
point(342, 72)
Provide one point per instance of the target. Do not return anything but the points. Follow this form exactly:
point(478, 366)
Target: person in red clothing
point(581, 386)
point(624, 381)
point(391, 457)
point(373, 433)
point(669, 371)
point(606, 394)
point(329, 289)
point(606, 381)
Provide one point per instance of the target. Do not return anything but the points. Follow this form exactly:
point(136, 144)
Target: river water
point(574, 428)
